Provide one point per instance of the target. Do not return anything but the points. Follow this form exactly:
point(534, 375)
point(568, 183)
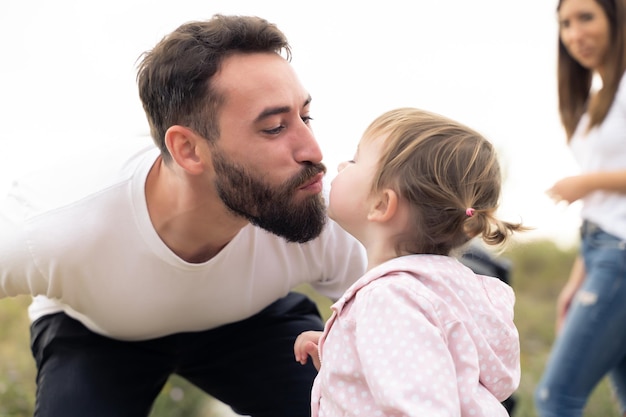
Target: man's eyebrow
point(271, 111)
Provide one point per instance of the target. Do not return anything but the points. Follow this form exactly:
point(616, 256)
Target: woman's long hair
point(574, 80)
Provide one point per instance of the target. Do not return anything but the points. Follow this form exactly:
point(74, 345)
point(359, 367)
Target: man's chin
point(294, 234)
point(297, 225)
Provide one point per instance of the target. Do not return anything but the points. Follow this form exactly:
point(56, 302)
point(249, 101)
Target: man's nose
point(308, 150)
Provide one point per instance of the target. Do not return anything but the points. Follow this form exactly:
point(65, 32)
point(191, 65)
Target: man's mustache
point(307, 173)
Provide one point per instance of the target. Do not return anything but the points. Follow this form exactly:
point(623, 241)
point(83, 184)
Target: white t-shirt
point(604, 149)
point(81, 241)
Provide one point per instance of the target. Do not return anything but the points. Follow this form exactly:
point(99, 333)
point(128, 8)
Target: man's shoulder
point(69, 182)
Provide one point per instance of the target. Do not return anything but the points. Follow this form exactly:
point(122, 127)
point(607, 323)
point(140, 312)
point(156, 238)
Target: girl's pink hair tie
point(470, 212)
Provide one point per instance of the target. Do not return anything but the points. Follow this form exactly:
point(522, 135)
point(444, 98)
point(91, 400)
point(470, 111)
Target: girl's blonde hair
point(441, 168)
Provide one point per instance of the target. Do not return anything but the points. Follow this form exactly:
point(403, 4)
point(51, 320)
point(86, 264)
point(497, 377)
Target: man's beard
point(271, 208)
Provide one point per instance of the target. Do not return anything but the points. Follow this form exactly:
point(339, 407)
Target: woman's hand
point(574, 188)
point(569, 189)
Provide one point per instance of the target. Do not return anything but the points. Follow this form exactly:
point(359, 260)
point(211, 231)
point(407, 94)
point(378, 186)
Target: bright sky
point(68, 67)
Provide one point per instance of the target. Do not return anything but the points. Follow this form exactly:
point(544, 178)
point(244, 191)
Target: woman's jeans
point(592, 342)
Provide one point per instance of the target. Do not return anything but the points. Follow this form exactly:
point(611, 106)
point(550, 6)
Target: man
point(180, 259)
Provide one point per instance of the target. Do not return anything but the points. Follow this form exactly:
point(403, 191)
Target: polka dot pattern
point(420, 335)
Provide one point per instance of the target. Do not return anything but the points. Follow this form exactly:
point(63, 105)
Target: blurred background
point(67, 89)
point(67, 79)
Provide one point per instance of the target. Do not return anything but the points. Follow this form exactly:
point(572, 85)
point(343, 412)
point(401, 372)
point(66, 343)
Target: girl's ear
point(384, 206)
point(183, 145)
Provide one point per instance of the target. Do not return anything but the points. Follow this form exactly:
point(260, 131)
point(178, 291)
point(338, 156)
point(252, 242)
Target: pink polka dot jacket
point(420, 335)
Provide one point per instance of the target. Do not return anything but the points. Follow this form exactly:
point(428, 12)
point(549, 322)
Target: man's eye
point(306, 119)
point(274, 131)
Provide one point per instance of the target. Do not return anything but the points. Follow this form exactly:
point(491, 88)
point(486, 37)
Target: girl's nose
point(341, 166)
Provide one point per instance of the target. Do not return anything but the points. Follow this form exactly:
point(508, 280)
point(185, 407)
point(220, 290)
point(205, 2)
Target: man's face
point(267, 163)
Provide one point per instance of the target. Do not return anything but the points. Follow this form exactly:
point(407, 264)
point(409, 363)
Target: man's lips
point(315, 182)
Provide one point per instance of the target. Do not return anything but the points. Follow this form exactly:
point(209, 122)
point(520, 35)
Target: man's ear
point(183, 144)
point(384, 206)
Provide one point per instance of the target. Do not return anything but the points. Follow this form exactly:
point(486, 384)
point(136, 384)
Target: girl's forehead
point(371, 145)
point(364, 143)
point(371, 137)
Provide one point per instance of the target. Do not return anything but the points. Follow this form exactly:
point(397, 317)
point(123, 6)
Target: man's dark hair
point(174, 78)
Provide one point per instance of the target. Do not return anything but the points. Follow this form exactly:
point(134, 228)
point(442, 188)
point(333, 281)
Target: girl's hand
point(305, 346)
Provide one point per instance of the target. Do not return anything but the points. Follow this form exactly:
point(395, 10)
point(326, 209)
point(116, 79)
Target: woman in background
point(591, 309)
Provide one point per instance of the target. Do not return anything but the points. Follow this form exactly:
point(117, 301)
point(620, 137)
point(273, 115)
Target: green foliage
point(17, 368)
point(539, 270)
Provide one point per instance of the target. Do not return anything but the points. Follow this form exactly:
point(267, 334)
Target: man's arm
point(18, 272)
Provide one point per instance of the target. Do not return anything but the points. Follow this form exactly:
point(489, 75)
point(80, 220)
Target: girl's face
point(585, 32)
point(351, 189)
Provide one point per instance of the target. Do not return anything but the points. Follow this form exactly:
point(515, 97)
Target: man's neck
point(188, 215)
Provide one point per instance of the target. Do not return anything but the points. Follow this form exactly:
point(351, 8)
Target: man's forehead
point(262, 83)
point(249, 68)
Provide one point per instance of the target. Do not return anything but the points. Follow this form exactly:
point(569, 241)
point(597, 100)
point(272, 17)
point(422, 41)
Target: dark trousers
point(248, 365)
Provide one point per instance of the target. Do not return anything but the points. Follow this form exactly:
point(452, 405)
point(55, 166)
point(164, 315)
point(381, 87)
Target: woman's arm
point(576, 187)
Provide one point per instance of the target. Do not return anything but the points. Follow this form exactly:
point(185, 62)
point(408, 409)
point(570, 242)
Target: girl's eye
point(306, 119)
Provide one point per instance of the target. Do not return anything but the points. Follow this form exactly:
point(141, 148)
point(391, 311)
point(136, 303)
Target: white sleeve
point(18, 273)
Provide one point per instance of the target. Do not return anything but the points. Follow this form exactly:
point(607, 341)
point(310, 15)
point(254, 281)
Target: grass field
point(539, 270)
